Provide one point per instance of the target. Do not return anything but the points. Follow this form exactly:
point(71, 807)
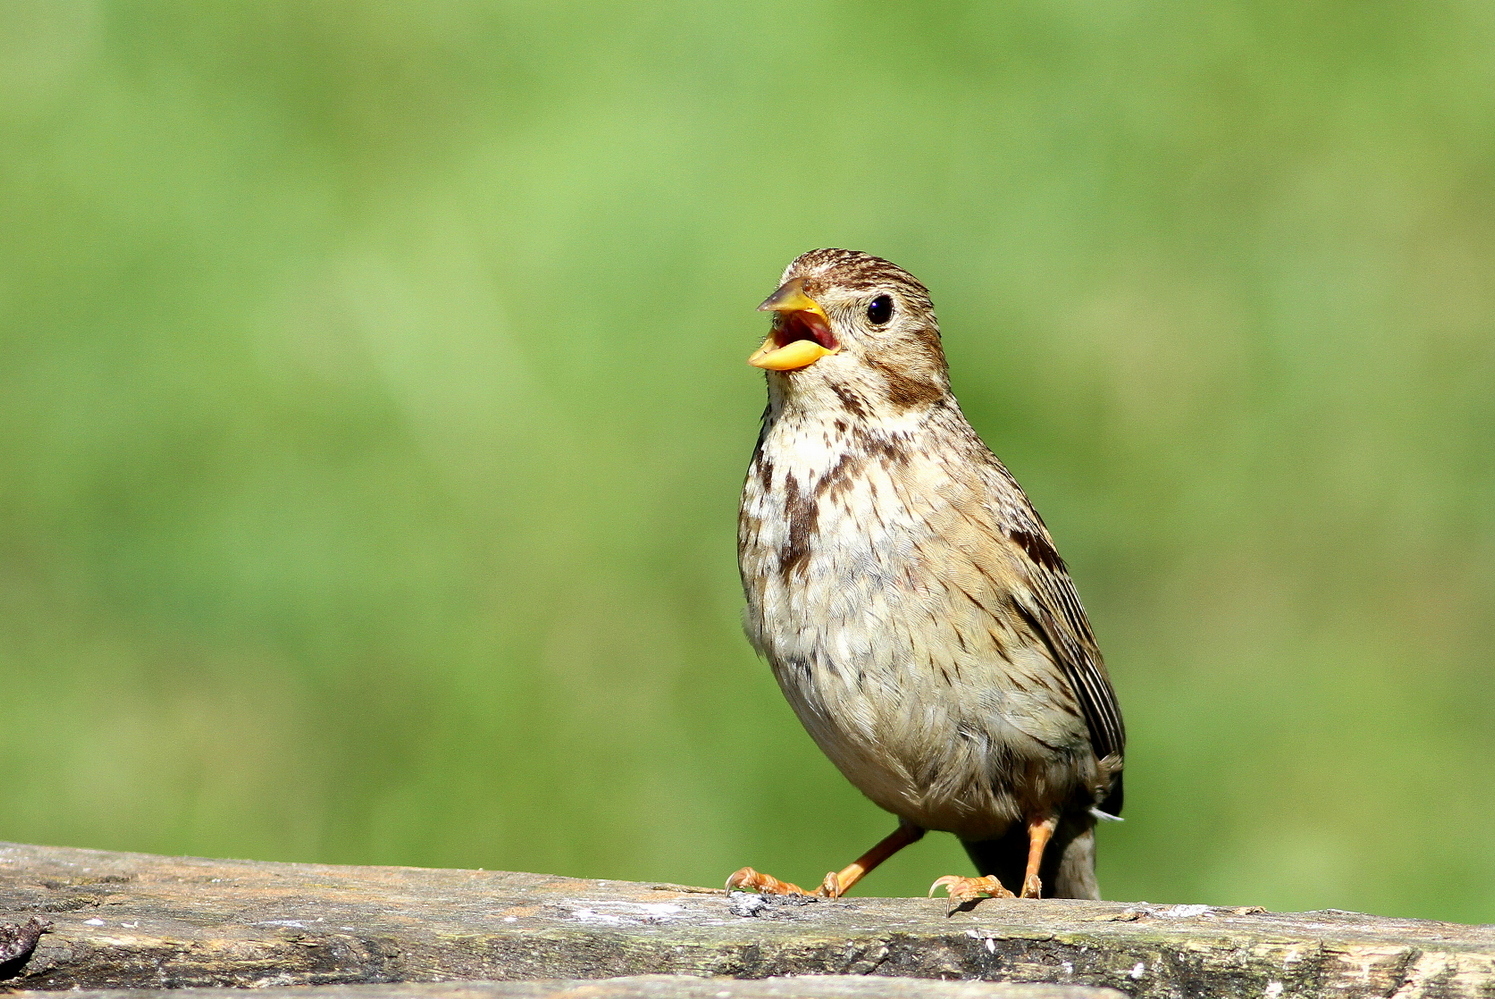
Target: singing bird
point(910, 600)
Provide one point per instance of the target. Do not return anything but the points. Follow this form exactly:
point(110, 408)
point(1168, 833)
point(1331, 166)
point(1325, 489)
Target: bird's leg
point(836, 883)
point(1039, 832)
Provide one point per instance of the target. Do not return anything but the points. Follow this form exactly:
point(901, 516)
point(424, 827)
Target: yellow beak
point(801, 331)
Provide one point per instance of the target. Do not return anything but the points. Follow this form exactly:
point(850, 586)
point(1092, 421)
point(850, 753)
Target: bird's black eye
point(880, 309)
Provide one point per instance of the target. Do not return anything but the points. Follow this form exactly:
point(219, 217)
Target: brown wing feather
point(1055, 613)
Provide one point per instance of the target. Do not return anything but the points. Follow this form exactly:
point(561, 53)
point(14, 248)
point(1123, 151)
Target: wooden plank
point(639, 987)
point(143, 922)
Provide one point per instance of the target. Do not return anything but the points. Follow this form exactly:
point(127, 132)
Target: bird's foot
point(831, 887)
point(766, 884)
point(970, 889)
point(1032, 887)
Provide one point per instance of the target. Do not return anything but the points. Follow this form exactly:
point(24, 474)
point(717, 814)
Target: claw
point(831, 886)
point(763, 884)
point(1032, 887)
point(970, 889)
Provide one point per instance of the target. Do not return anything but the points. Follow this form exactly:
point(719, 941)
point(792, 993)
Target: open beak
point(801, 332)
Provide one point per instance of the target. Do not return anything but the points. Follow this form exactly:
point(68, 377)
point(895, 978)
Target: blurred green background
point(373, 412)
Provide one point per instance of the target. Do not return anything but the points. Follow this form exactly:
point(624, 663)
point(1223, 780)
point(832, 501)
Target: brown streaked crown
point(854, 270)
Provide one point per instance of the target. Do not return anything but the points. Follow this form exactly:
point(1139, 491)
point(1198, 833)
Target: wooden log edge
point(142, 922)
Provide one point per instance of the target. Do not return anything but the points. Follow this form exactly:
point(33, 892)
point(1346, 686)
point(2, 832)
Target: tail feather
point(1068, 867)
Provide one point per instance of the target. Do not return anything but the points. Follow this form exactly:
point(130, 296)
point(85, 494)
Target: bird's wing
point(1052, 609)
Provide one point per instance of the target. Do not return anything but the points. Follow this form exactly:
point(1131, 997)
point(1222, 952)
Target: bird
point(910, 600)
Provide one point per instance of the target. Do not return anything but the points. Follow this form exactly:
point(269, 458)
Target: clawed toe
point(970, 889)
point(764, 884)
point(830, 887)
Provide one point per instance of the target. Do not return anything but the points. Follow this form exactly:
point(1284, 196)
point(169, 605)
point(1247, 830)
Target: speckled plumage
point(909, 599)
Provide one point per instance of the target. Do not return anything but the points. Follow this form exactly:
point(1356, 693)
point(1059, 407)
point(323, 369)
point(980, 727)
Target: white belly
point(896, 677)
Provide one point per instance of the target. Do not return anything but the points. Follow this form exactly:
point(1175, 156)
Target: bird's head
point(844, 322)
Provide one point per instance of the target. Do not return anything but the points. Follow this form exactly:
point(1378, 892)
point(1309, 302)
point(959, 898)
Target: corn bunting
point(910, 600)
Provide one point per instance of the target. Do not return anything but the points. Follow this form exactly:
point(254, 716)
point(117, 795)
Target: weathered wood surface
point(639, 987)
point(144, 922)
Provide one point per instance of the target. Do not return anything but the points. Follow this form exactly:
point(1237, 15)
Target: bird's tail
point(1068, 868)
